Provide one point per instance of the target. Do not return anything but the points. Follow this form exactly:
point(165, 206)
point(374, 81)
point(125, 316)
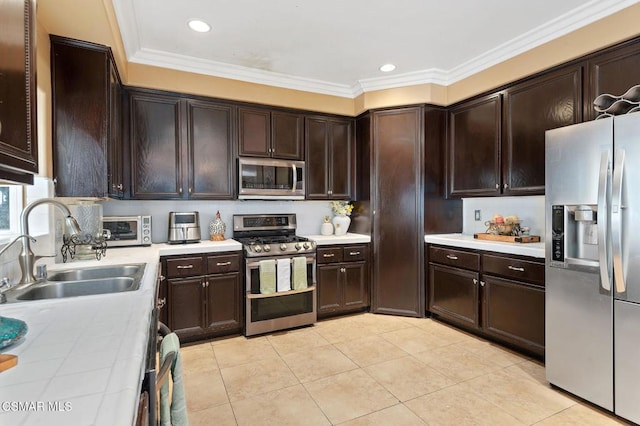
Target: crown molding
point(562, 25)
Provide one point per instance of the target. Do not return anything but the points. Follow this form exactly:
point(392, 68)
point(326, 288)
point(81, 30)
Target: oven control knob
point(298, 246)
point(267, 248)
point(283, 246)
point(257, 249)
point(306, 246)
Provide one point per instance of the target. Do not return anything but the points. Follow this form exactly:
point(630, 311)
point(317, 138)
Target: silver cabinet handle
point(223, 263)
point(452, 257)
point(203, 284)
point(184, 267)
point(515, 268)
point(120, 187)
point(162, 277)
point(505, 186)
point(328, 255)
point(482, 283)
point(180, 191)
point(497, 186)
point(343, 270)
point(207, 282)
point(475, 281)
point(354, 253)
point(162, 302)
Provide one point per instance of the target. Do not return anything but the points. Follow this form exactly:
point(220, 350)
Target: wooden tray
point(7, 361)
point(508, 238)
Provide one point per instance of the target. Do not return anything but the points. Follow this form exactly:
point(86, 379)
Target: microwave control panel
point(145, 225)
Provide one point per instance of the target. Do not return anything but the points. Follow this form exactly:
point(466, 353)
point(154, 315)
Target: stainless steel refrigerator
point(593, 262)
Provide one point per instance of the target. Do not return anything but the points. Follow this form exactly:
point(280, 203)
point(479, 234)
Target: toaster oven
point(127, 230)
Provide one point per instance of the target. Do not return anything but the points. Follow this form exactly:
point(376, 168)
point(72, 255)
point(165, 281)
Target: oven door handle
point(256, 263)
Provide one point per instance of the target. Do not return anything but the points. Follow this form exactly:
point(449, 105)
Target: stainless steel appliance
point(593, 262)
point(127, 231)
point(184, 227)
point(273, 236)
point(264, 178)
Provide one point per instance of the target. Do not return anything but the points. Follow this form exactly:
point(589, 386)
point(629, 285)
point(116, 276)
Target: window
point(10, 208)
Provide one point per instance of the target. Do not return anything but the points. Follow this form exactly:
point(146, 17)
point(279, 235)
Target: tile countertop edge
point(349, 238)
point(467, 241)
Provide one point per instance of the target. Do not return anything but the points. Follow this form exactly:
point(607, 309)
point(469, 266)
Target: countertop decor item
point(327, 226)
point(217, 228)
point(341, 221)
point(11, 330)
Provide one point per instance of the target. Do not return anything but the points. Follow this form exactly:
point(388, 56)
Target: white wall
point(530, 210)
point(309, 213)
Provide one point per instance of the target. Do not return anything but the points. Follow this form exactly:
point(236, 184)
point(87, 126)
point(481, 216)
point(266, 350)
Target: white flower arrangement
point(341, 208)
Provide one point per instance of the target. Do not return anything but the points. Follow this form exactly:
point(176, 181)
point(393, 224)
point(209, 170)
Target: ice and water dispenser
point(575, 234)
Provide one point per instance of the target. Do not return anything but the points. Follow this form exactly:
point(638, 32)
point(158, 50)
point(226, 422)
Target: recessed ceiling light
point(387, 68)
point(199, 26)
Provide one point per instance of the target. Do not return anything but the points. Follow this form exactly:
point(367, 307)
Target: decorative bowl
point(11, 330)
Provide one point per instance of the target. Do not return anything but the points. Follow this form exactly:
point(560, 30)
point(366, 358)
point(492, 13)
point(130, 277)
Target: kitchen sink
point(98, 272)
point(82, 282)
point(56, 290)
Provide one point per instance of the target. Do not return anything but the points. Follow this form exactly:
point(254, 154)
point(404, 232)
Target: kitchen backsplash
point(530, 211)
point(309, 213)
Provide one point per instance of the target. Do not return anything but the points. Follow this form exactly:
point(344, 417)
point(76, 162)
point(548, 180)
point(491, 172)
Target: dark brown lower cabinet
point(208, 303)
point(343, 279)
point(492, 294)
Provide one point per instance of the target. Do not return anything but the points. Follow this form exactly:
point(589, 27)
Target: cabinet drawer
point(329, 255)
point(452, 257)
point(523, 270)
point(217, 264)
point(353, 253)
point(185, 266)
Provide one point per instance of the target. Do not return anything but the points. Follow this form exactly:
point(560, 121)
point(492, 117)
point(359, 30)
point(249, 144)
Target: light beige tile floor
point(373, 370)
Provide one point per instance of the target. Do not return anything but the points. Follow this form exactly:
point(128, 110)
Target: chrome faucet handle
point(5, 284)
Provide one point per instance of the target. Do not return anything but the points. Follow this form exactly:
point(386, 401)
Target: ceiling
point(337, 46)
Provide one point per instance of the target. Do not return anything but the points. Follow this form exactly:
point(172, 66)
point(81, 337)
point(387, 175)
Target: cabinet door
point(18, 141)
point(453, 294)
point(317, 149)
point(210, 146)
point(329, 288)
point(80, 113)
point(254, 132)
point(286, 135)
point(547, 102)
point(514, 312)
point(341, 157)
point(614, 71)
point(186, 313)
point(115, 182)
point(473, 154)
point(223, 302)
point(355, 280)
point(155, 147)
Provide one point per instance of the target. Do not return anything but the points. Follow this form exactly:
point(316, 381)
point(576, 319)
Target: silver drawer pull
point(515, 268)
point(475, 281)
point(354, 253)
point(184, 267)
point(452, 257)
point(328, 255)
point(223, 263)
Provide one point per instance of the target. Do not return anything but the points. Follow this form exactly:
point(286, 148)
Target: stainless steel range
point(280, 278)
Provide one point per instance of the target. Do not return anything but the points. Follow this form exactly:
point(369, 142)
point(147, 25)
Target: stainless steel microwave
point(127, 230)
point(268, 179)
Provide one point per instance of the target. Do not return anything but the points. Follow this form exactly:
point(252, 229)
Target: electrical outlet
point(476, 214)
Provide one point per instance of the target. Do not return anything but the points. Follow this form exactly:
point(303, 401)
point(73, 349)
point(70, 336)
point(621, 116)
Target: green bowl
point(11, 330)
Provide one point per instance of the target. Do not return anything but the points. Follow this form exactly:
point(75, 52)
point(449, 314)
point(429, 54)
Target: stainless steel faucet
point(27, 259)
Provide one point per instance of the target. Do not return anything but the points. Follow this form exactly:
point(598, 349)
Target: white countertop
point(87, 352)
point(467, 241)
point(349, 238)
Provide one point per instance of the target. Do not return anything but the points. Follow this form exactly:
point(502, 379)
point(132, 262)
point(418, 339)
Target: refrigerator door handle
point(616, 221)
point(603, 183)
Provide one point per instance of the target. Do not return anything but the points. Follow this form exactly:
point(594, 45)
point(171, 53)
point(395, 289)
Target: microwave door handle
point(295, 177)
point(616, 221)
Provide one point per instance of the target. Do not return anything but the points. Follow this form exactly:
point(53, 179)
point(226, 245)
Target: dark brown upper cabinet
point(613, 71)
point(270, 133)
point(180, 148)
point(18, 141)
point(86, 115)
point(329, 160)
point(529, 109)
point(473, 154)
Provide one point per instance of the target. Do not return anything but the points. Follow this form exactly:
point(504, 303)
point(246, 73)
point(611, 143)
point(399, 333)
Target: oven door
point(280, 310)
point(270, 179)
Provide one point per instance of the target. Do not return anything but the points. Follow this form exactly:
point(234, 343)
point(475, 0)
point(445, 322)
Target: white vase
point(326, 228)
point(341, 224)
